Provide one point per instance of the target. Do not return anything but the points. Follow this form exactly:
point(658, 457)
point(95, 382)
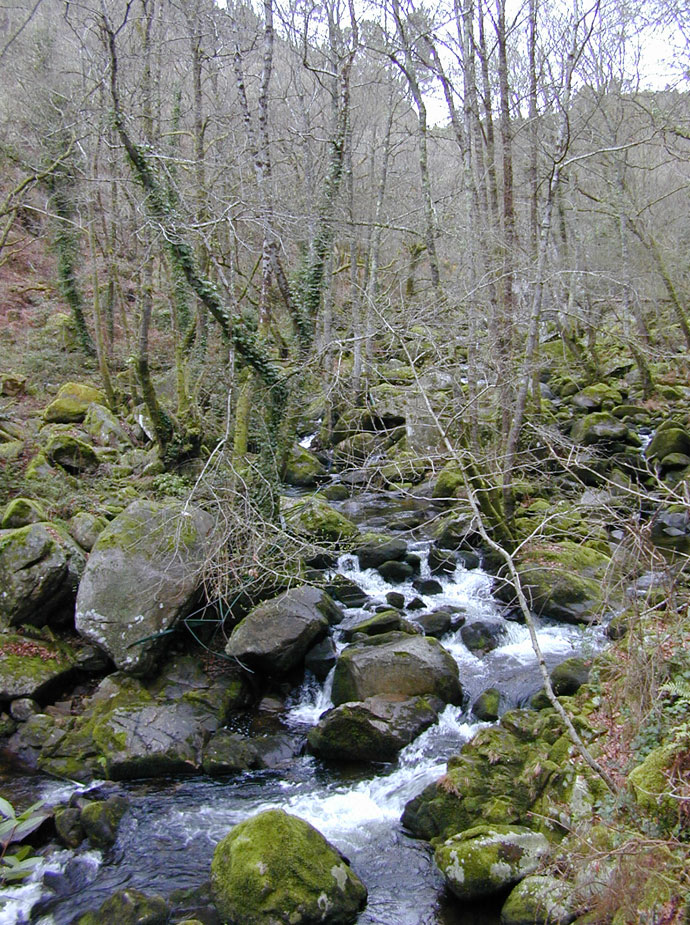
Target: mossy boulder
point(40, 566)
point(486, 859)
point(651, 784)
point(302, 468)
point(497, 778)
point(276, 635)
point(276, 868)
point(540, 900)
point(314, 519)
point(374, 730)
point(104, 428)
point(487, 705)
point(449, 479)
point(482, 636)
point(20, 512)
point(85, 528)
point(597, 396)
point(562, 580)
point(357, 449)
point(129, 907)
point(33, 667)
point(100, 820)
point(387, 621)
point(71, 453)
point(141, 580)
point(72, 402)
point(667, 440)
point(568, 677)
point(399, 665)
point(599, 428)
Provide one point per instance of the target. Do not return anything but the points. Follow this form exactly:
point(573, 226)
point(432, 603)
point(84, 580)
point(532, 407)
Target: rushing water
point(167, 838)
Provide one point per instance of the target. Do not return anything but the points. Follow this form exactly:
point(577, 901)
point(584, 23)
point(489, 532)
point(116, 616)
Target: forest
point(344, 462)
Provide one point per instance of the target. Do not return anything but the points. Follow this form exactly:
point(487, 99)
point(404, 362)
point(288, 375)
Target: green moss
point(277, 868)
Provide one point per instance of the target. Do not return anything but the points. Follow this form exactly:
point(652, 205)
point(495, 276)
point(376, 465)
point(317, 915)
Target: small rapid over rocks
point(167, 837)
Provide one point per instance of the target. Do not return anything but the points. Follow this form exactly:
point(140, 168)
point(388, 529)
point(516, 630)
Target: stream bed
point(167, 838)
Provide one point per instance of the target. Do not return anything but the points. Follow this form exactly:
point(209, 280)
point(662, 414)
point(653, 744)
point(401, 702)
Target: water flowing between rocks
point(167, 838)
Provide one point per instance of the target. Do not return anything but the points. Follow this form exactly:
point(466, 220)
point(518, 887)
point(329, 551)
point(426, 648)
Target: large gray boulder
point(275, 867)
point(396, 664)
point(373, 730)
point(141, 580)
point(40, 567)
point(276, 635)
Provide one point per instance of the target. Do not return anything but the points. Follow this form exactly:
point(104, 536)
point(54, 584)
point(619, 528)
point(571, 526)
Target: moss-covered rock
point(40, 566)
point(651, 784)
point(315, 519)
point(563, 580)
point(276, 868)
point(485, 860)
point(668, 440)
point(72, 402)
point(540, 900)
point(599, 428)
point(487, 705)
point(597, 396)
point(568, 677)
point(72, 454)
point(302, 468)
point(21, 512)
point(375, 549)
point(129, 907)
point(103, 427)
point(387, 621)
point(85, 528)
point(32, 667)
point(100, 820)
point(357, 449)
point(449, 479)
point(373, 730)
point(396, 664)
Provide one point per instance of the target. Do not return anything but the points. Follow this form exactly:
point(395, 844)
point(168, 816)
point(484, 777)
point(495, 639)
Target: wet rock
point(568, 677)
point(469, 560)
point(379, 549)
point(434, 624)
point(374, 730)
point(347, 592)
point(38, 732)
point(427, 586)
point(671, 529)
point(441, 562)
point(228, 753)
point(387, 621)
point(486, 706)
point(129, 907)
point(141, 580)
point(321, 658)
point(68, 826)
point(40, 566)
point(485, 860)
point(395, 572)
point(277, 634)
point(275, 867)
point(455, 531)
point(396, 664)
point(416, 604)
point(481, 636)
point(72, 402)
point(100, 820)
point(395, 599)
